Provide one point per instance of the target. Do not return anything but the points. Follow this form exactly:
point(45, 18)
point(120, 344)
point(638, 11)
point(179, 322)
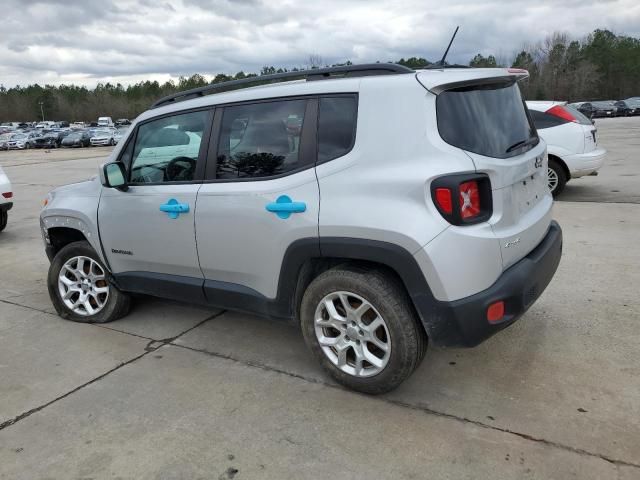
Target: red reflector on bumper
point(495, 312)
point(7, 194)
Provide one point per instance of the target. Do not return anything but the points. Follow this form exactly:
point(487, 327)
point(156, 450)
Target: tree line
point(602, 66)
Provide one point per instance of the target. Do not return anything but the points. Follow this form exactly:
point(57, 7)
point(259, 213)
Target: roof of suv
point(433, 80)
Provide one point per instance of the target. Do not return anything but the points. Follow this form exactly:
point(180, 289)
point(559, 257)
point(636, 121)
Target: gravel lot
point(179, 392)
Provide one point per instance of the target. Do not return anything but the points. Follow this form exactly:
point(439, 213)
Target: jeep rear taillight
point(7, 194)
point(443, 200)
point(463, 199)
point(469, 199)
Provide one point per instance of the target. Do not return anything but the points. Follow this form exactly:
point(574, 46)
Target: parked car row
point(55, 138)
point(609, 108)
point(571, 140)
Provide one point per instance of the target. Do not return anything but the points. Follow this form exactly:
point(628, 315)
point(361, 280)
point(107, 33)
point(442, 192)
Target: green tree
point(483, 62)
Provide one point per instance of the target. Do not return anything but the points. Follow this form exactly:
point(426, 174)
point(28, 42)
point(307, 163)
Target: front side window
point(166, 149)
point(260, 140)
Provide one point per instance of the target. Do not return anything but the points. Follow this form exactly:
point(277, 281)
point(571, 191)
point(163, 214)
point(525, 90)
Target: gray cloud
point(86, 41)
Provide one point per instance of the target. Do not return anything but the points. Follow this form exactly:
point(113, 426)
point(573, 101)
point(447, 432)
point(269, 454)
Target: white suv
point(571, 142)
point(6, 196)
point(378, 206)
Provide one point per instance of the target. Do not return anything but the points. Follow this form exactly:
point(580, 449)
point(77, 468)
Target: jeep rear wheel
point(362, 328)
point(80, 289)
point(4, 218)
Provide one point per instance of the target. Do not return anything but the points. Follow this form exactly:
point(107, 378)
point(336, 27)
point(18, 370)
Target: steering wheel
point(180, 169)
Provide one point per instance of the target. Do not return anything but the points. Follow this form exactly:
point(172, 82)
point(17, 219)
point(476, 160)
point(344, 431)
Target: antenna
point(446, 52)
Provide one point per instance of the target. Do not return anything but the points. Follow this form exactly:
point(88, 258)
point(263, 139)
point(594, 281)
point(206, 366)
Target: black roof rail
point(363, 70)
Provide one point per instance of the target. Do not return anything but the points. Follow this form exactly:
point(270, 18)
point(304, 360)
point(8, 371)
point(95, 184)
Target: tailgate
point(488, 120)
point(521, 201)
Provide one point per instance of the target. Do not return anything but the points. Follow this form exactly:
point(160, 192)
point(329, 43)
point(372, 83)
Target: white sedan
point(104, 136)
point(571, 142)
point(6, 196)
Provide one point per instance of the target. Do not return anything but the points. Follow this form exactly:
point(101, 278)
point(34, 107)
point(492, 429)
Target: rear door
point(259, 197)
point(489, 121)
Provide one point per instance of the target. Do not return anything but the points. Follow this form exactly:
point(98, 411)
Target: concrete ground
point(176, 392)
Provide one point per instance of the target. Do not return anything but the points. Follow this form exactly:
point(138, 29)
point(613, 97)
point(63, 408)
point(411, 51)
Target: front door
point(148, 230)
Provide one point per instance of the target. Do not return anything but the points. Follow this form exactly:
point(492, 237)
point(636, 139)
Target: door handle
point(173, 208)
point(284, 207)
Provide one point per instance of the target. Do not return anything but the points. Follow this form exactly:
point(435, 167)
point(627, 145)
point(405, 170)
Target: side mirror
point(114, 176)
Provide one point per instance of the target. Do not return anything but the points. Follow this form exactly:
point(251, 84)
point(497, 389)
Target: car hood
point(88, 188)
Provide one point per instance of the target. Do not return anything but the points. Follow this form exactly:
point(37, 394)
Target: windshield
point(19, 136)
point(489, 120)
point(104, 133)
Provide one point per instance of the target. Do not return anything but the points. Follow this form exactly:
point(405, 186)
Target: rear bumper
point(585, 163)
point(463, 323)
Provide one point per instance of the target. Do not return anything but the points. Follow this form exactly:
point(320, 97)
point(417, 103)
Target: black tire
point(118, 303)
point(27, 146)
point(559, 171)
point(407, 337)
point(4, 218)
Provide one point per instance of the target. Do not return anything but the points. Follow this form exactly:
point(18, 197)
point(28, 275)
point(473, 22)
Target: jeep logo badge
point(538, 163)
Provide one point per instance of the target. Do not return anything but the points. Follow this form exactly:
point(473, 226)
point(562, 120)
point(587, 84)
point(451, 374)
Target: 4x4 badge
point(512, 243)
point(538, 163)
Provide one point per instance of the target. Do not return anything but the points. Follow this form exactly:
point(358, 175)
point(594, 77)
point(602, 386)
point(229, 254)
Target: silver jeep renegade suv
point(378, 206)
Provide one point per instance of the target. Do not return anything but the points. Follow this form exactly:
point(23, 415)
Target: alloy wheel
point(83, 286)
point(352, 334)
point(552, 179)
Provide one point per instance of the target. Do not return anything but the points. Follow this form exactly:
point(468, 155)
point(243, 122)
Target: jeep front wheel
point(361, 327)
point(80, 289)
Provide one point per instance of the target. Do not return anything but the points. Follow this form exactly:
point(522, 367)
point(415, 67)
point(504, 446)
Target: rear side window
point(336, 127)
point(260, 140)
point(543, 120)
point(489, 120)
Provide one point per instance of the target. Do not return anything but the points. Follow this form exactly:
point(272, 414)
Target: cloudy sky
point(87, 41)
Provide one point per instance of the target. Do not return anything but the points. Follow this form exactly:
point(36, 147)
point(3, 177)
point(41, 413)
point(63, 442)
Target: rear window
point(582, 119)
point(543, 120)
point(489, 120)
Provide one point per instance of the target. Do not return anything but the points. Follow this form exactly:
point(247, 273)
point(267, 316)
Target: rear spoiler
point(440, 80)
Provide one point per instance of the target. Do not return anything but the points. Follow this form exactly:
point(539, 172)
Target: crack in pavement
point(420, 408)
point(9, 302)
point(24, 415)
point(28, 163)
point(150, 347)
point(163, 341)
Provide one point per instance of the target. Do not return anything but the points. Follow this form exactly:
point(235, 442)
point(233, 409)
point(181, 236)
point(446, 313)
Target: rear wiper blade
point(521, 143)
